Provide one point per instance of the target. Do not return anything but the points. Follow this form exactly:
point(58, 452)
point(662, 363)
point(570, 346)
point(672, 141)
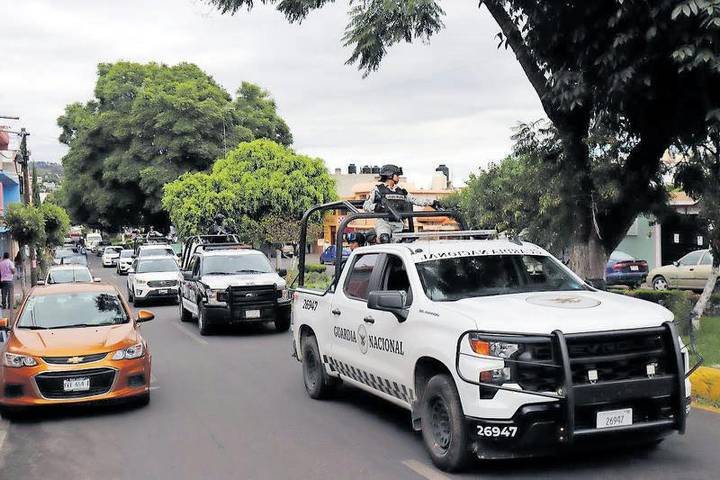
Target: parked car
point(64, 252)
point(328, 256)
point(623, 269)
point(110, 255)
point(68, 274)
point(689, 273)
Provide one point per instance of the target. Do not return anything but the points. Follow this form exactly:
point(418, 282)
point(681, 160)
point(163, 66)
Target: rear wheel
point(318, 383)
point(443, 425)
point(202, 320)
point(659, 283)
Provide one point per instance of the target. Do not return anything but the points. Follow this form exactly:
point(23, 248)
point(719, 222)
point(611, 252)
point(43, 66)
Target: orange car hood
point(73, 341)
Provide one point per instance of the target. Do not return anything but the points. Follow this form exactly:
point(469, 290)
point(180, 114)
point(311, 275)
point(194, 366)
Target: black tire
point(322, 262)
point(444, 431)
point(185, 315)
point(136, 302)
point(142, 400)
point(13, 413)
point(131, 297)
point(203, 326)
point(282, 323)
point(318, 383)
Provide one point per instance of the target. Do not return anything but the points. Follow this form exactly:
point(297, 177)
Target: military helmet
point(389, 170)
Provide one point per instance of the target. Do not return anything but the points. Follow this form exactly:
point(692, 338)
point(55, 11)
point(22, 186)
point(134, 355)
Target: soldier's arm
point(419, 201)
point(370, 201)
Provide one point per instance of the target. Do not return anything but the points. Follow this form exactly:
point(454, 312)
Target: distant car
point(153, 278)
point(76, 259)
point(689, 273)
point(623, 269)
point(68, 274)
point(155, 251)
point(110, 255)
point(328, 256)
point(125, 261)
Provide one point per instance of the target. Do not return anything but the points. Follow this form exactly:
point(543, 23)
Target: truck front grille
point(253, 295)
point(162, 283)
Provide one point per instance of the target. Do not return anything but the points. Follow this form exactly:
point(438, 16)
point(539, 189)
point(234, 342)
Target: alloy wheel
point(440, 423)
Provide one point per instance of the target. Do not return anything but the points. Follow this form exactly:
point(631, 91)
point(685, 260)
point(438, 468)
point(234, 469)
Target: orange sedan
point(73, 343)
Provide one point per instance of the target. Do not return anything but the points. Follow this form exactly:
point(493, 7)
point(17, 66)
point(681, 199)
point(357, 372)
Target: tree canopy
point(645, 69)
point(257, 180)
point(148, 124)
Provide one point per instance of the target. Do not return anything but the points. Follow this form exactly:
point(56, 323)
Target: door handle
point(336, 311)
point(692, 269)
point(368, 319)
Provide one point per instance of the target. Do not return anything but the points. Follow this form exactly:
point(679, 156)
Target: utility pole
point(24, 161)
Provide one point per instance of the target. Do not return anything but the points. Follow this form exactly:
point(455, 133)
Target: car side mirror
point(393, 301)
point(676, 263)
point(187, 274)
point(4, 323)
point(282, 272)
point(40, 282)
point(145, 316)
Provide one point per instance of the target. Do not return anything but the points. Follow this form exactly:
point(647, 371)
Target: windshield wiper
point(33, 327)
point(249, 270)
point(217, 273)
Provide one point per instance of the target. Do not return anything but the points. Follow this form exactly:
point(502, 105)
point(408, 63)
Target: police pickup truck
point(495, 347)
point(229, 284)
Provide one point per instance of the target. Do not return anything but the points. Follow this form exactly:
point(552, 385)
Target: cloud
point(451, 101)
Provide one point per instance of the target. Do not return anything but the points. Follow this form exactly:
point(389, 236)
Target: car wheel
point(322, 262)
point(185, 315)
point(318, 383)
point(131, 297)
point(659, 283)
point(444, 431)
point(136, 301)
point(202, 320)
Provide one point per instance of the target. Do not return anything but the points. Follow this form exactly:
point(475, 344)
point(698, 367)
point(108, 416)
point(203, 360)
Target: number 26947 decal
point(496, 432)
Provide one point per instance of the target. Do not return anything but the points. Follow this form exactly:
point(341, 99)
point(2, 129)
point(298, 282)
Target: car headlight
point(500, 350)
point(218, 295)
point(15, 361)
point(129, 353)
point(284, 294)
point(140, 281)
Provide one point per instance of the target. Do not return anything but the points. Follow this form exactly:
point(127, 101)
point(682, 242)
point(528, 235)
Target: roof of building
point(681, 198)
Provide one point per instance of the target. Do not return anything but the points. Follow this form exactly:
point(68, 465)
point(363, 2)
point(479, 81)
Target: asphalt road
point(233, 406)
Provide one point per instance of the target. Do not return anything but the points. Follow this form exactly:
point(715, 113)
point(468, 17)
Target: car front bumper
point(626, 278)
point(123, 267)
point(29, 386)
point(109, 262)
point(222, 315)
point(145, 292)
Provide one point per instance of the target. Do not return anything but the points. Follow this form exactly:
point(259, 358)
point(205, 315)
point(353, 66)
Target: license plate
point(76, 384)
point(252, 314)
point(163, 291)
point(614, 418)
point(634, 268)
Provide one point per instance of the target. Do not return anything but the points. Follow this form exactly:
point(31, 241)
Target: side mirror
point(97, 279)
point(393, 301)
point(282, 272)
point(676, 263)
point(4, 323)
point(40, 282)
point(187, 274)
point(145, 316)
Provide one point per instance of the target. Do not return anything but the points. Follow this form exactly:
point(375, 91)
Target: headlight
point(136, 351)
point(16, 361)
point(218, 295)
point(284, 294)
point(140, 281)
point(500, 350)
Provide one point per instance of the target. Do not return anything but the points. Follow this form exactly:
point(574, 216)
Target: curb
point(706, 383)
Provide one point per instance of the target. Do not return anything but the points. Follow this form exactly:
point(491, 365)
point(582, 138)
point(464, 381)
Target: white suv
point(110, 255)
point(153, 278)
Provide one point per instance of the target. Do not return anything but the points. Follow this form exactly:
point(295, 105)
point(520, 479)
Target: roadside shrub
point(316, 280)
point(314, 267)
point(679, 302)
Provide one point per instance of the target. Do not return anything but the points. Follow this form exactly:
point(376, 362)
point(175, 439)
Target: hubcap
point(660, 284)
point(440, 423)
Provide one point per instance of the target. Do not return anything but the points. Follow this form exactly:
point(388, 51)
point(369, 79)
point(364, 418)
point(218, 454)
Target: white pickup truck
point(497, 349)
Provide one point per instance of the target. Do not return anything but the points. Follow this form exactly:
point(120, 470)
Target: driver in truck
point(388, 197)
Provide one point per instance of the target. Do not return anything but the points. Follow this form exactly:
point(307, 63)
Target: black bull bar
point(573, 395)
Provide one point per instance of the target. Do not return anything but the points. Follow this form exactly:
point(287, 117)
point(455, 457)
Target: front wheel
point(131, 297)
point(318, 383)
point(202, 320)
point(659, 283)
point(444, 431)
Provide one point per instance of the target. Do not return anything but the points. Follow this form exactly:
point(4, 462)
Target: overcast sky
point(453, 101)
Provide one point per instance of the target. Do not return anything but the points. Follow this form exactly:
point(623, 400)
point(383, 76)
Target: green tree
point(644, 68)
point(256, 180)
point(56, 222)
point(699, 176)
point(148, 124)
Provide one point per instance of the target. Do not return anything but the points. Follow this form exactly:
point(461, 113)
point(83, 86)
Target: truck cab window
point(395, 277)
point(358, 281)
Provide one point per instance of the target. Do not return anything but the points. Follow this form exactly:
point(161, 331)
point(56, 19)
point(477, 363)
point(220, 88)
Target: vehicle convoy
point(495, 347)
point(72, 343)
point(153, 278)
point(228, 284)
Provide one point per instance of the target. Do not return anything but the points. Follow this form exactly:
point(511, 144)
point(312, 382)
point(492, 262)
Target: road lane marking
point(425, 471)
point(153, 382)
point(190, 334)
point(4, 425)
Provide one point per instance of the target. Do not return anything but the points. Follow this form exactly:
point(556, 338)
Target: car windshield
point(231, 264)
point(157, 265)
point(69, 275)
point(126, 254)
point(453, 279)
point(65, 252)
point(156, 252)
point(66, 310)
point(75, 259)
point(111, 250)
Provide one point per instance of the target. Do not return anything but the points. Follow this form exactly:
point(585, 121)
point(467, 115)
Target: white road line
point(4, 425)
point(425, 471)
point(189, 334)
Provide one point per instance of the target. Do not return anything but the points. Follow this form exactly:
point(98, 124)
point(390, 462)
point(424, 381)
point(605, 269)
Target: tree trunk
point(588, 259)
point(702, 302)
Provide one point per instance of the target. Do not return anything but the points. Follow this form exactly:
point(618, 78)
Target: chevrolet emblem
point(75, 359)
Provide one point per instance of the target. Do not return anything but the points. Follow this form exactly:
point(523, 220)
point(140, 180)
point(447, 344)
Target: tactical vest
point(396, 199)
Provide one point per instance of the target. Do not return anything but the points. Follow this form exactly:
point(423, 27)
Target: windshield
point(66, 310)
point(157, 265)
point(111, 250)
point(69, 275)
point(230, 264)
point(479, 276)
point(66, 252)
point(75, 259)
point(156, 252)
point(126, 254)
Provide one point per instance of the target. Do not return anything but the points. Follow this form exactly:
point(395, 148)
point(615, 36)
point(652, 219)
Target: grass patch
point(708, 341)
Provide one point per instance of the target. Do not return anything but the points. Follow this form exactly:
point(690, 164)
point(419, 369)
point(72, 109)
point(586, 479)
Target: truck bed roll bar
point(355, 212)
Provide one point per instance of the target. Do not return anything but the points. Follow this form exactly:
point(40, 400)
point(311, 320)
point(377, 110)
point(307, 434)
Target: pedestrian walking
point(7, 280)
